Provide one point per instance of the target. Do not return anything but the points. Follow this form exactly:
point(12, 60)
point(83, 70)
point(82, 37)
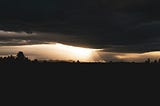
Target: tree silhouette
point(20, 56)
point(78, 61)
point(148, 60)
point(155, 61)
point(159, 61)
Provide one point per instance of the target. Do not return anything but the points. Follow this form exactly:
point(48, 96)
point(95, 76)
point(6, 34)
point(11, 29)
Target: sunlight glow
point(55, 51)
point(78, 52)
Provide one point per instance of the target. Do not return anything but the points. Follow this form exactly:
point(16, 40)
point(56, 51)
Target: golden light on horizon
point(128, 56)
point(58, 51)
point(138, 56)
point(77, 52)
point(55, 51)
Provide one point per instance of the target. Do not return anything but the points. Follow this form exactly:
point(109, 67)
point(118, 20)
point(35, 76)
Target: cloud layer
point(112, 25)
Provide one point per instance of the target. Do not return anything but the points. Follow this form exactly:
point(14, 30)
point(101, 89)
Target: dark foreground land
point(82, 73)
point(78, 67)
point(111, 82)
point(106, 74)
point(67, 68)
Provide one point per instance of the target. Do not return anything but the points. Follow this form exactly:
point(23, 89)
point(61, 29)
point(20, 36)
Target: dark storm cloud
point(114, 25)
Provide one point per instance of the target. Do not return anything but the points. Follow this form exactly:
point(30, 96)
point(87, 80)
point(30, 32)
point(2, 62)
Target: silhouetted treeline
point(20, 58)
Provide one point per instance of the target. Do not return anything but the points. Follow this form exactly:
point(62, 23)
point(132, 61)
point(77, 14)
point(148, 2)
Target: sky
point(120, 30)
